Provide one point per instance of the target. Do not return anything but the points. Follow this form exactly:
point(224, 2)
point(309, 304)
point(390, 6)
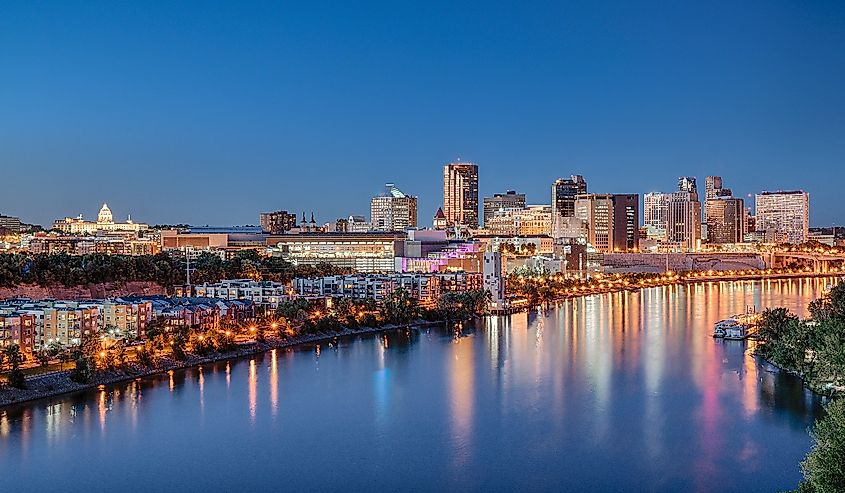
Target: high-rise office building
point(564, 191)
point(687, 184)
point(460, 194)
point(684, 219)
point(626, 222)
point(277, 222)
point(501, 201)
point(392, 210)
point(712, 187)
point(656, 213)
point(724, 215)
point(725, 219)
point(612, 220)
point(783, 215)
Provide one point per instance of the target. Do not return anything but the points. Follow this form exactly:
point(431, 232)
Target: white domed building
point(105, 222)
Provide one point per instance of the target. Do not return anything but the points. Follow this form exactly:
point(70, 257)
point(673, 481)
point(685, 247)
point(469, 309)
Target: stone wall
point(90, 291)
point(679, 262)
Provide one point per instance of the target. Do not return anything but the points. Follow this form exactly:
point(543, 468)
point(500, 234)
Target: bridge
point(818, 262)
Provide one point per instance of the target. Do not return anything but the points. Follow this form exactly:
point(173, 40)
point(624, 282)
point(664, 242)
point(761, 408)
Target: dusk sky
point(209, 113)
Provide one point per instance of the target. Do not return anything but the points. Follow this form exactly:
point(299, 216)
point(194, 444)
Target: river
point(616, 392)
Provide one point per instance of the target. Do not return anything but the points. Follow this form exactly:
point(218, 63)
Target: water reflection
point(617, 391)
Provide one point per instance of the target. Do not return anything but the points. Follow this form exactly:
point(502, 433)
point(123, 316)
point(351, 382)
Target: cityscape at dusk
point(441, 246)
point(324, 102)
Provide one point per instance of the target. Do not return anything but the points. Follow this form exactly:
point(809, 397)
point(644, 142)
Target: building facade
point(684, 220)
point(656, 214)
point(784, 214)
point(612, 220)
point(501, 201)
point(460, 194)
point(264, 294)
point(725, 219)
point(10, 223)
point(528, 221)
point(277, 222)
point(61, 323)
point(105, 222)
point(564, 192)
point(425, 287)
point(392, 210)
point(362, 252)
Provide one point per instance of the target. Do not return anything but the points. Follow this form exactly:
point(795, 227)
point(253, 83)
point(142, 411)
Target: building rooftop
point(390, 190)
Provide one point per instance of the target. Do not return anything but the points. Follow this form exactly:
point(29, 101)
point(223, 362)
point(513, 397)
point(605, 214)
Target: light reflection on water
point(608, 392)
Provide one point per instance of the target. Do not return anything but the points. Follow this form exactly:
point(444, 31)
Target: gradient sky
point(208, 112)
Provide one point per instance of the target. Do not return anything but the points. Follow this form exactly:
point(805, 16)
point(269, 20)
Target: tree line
point(814, 349)
point(163, 268)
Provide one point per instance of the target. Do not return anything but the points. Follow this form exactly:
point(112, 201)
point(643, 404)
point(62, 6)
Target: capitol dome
point(105, 215)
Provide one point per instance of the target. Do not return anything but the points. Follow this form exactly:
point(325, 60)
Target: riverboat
point(737, 327)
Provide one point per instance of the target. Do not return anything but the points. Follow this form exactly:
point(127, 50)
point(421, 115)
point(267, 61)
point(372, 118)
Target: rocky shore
point(57, 383)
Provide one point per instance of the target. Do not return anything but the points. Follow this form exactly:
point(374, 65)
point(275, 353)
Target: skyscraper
point(684, 219)
point(564, 192)
point(656, 213)
point(626, 222)
point(612, 219)
point(687, 184)
point(500, 201)
point(712, 187)
point(725, 219)
point(783, 215)
point(724, 214)
point(392, 210)
point(460, 194)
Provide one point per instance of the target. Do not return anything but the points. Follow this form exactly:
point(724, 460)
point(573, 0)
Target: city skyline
point(162, 98)
point(425, 219)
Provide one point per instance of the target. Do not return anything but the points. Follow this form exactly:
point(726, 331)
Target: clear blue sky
point(208, 112)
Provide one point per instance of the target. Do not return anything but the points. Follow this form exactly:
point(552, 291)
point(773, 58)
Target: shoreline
point(818, 388)
point(58, 383)
point(683, 281)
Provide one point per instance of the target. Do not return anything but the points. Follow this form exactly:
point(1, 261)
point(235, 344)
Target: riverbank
point(618, 283)
point(57, 383)
point(810, 348)
point(822, 388)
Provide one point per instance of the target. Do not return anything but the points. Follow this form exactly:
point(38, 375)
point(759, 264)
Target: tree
point(399, 307)
point(43, 358)
point(15, 357)
point(831, 306)
point(772, 328)
point(64, 357)
point(118, 351)
point(146, 354)
point(86, 359)
point(824, 467)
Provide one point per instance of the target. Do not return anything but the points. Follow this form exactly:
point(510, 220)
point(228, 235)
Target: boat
point(738, 327)
point(721, 327)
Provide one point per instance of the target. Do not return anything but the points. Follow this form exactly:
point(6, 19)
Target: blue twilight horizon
point(210, 112)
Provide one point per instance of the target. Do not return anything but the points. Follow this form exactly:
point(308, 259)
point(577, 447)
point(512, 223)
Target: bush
point(84, 370)
point(17, 379)
point(824, 467)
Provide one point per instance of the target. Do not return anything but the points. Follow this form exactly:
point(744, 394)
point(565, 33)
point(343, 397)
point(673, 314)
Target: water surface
point(612, 392)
